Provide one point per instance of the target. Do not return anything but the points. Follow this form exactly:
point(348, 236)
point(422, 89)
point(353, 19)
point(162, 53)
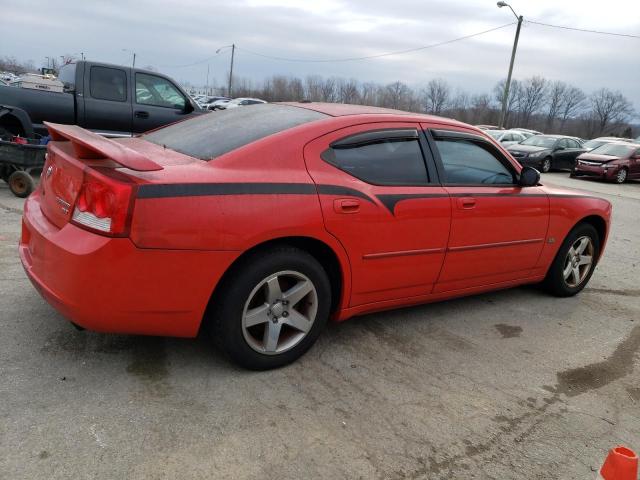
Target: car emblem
point(64, 206)
point(49, 171)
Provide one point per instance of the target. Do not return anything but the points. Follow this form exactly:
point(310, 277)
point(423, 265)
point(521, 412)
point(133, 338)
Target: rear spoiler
point(89, 145)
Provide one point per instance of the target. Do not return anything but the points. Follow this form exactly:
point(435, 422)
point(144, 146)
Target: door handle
point(466, 203)
point(141, 114)
point(342, 205)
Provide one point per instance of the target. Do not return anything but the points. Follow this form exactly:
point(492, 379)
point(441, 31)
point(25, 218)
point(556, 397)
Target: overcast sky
point(169, 34)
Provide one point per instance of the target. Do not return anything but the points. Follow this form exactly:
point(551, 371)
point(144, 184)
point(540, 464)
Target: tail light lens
point(104, 203)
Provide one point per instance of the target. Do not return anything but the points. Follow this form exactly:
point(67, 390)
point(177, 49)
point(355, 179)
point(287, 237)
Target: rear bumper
point(595, 171)
point(109, 285)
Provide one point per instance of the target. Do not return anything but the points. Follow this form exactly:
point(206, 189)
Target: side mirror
point(188, 106)
point(529, 177)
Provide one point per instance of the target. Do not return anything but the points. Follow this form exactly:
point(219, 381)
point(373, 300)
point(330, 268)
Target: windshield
point(591, 144)
point(210, 135)
point(614, 150)
point(494, 133)
point(539, 141)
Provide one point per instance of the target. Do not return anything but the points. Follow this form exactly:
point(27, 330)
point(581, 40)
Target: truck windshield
point(213, 134)
point(67, 76)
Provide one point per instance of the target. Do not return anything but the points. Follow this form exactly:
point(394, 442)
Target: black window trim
point(433, 134)
point(126, 80)
point(368, 137)
point(135, 88)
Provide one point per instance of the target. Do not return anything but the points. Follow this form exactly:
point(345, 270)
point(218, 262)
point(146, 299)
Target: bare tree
point(555, 103)
point(512, 101)
point(329, 90)
point(609, 108)
point(436, 95)
point(368, 93)
point(532, 96)
point(313, 88)
point(348, 90)
point(395, 95)
point(572, 104)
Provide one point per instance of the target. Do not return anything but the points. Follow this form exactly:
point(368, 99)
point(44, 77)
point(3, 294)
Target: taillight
point(104, 203)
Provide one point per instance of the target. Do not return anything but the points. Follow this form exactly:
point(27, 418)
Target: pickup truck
point(108, 99)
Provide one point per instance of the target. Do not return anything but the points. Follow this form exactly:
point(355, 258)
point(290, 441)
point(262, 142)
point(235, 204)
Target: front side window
point(108, 84)
point(467, 162)
point(380, 158)
point(158, 92)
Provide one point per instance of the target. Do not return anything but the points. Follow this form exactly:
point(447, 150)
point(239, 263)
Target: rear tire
point(21, 183)
point(251, 318)
point(574, 263)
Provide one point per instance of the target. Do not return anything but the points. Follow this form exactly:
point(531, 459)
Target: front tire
point(271, 309)
point(546, 165)
point(621, 176)
point(574, 263)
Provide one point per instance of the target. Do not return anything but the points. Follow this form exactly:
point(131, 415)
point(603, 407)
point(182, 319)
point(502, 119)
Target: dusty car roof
point(344, 109)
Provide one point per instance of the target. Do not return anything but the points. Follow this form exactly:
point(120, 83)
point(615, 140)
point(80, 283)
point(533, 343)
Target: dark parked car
point(547, 152)
point(107, 99)
point(612, 161)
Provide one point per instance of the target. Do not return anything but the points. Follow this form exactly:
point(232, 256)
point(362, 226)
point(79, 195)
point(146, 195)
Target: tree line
point(536, 102)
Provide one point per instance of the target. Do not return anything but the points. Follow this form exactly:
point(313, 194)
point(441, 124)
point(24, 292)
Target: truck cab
point(108, 99)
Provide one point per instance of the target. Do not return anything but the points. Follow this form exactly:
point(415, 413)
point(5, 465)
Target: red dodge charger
point(262, 223)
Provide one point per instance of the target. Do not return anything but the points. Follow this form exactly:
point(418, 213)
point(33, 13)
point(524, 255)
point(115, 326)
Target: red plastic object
point(20, 140)
point(620, 464)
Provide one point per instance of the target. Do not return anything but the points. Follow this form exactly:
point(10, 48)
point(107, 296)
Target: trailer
point(19, 162)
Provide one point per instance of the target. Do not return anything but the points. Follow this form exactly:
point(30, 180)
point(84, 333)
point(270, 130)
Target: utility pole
point(134, 60)
point(207, 88)
point(233, 51)
point(505, 96)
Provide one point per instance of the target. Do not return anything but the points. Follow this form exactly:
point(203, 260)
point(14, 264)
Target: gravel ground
point(512, 384)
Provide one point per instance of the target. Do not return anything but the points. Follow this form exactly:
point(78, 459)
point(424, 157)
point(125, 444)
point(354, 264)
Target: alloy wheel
point(546, 165)
point(621, 177)
point(578, 262)
point(279, 312)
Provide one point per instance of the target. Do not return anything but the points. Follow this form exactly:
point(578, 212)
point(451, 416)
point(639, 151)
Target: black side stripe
point(340, 190)
point(201, 189)
point(390, 201)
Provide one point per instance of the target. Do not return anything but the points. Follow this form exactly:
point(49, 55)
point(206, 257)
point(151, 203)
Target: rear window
point(213, 134)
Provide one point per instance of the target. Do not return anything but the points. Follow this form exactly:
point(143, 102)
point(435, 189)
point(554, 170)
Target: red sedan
point(263, 223)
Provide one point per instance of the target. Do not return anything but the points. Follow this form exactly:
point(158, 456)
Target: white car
point(218, 104)
point(240, 102)
point(597, 142)
point(507, 137)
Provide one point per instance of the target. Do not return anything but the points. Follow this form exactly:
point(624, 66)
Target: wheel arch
point(16, 120)
point(600, 224)
point(333, 262)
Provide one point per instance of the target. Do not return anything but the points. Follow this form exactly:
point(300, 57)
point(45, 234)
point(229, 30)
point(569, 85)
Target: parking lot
point(513, 384)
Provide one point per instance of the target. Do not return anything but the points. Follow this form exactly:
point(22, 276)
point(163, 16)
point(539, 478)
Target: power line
point(583, 30)
point(351, 59)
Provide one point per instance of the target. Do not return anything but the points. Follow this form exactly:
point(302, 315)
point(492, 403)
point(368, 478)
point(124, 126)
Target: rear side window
point(211, 135)
point(108, 84)
point(466, 162)
point(392, 157)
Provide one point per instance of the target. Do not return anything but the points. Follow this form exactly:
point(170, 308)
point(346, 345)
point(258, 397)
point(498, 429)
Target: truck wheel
point(5, 134)
point(271, 308)
point(21, 184)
